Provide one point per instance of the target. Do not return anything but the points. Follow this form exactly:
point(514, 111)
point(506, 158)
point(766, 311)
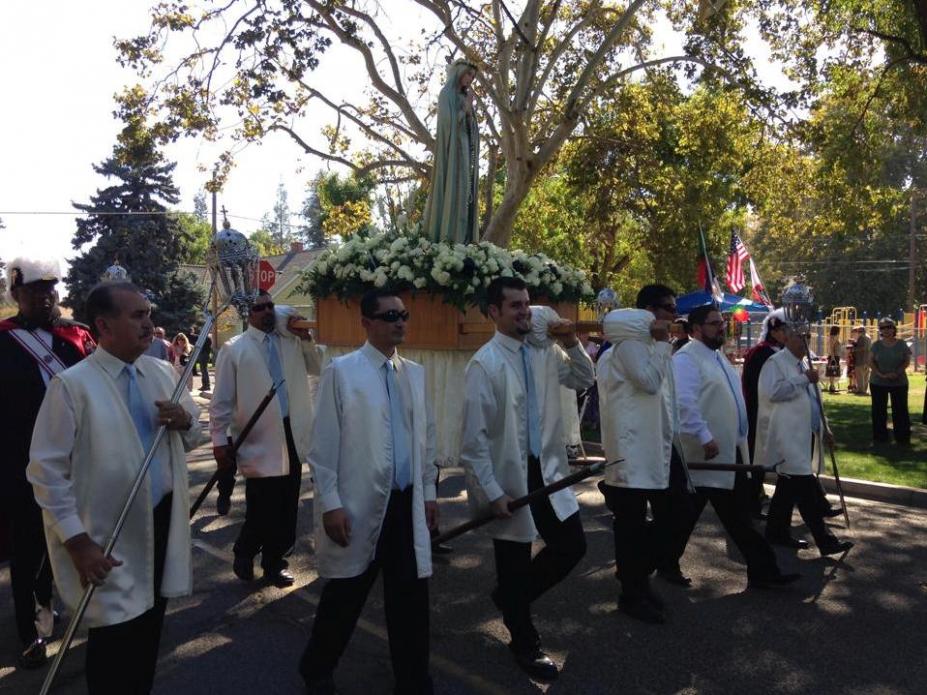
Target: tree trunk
point(501, 225)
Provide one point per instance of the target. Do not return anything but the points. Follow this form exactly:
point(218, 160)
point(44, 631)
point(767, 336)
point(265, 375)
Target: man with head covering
point(451, 210)
point(790, 438)
point(773, 336)
point(512, 443)
point(638, 415)
point(35, 344)
point(96, 424)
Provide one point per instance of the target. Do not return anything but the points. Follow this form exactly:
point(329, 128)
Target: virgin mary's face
point(466, 78)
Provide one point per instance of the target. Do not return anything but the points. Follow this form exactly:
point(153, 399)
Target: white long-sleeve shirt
point(688, 387)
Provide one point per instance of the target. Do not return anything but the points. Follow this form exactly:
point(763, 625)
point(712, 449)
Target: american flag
point(735, 264)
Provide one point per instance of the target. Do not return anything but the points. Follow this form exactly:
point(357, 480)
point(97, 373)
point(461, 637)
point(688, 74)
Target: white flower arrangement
point(460, 273)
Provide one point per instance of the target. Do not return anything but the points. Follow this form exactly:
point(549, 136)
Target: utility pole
point(215, 303)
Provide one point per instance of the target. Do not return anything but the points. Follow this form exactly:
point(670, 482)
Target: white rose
point(419, 282)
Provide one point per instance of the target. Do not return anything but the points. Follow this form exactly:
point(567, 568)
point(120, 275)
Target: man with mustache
point(96, 424)
point(35, 344)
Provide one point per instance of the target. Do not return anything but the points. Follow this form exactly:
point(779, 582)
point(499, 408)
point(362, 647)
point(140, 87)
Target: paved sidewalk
point(857, 626)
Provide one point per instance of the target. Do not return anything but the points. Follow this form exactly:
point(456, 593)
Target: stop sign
point(267, 276)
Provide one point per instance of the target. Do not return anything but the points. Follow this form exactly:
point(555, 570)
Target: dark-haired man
point(98, 420)
point(372, 459)
point(268, 352)
point(513, 443)
point(713, 427)
point(35, 344)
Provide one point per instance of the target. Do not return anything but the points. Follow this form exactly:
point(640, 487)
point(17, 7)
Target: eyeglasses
point(255, 308)
point(392, 316)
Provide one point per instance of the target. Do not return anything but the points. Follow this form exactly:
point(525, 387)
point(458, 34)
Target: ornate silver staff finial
point(605, 301)
point(233, 267)
point(115, 273)
point(798, 303)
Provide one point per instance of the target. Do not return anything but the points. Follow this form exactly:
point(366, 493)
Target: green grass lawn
point(857, 457)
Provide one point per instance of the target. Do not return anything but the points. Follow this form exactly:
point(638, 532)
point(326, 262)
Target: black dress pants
point(271, 506)
point(803, 490)
point(121, 658)
point(203, 364)
point(522, 579)
point(30, 571)
point(681, 515)
point(761, 561)
point(639, 546)
point(901, 418)
point(406, 603)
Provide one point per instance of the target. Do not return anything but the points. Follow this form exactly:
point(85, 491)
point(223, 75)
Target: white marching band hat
point(22, 271)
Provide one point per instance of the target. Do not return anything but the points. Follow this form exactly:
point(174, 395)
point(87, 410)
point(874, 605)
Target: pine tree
point(148, 246)
point(311, 231)
point(277, 222)
point(200, 207)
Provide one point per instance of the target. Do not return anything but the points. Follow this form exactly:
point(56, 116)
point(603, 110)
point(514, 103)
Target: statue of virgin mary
point(451, 210)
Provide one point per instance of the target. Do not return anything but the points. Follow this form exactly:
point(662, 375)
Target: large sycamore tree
point(248, 68)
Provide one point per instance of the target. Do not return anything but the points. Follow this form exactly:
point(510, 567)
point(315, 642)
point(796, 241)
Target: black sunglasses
point(261, 307)
point(391, 316)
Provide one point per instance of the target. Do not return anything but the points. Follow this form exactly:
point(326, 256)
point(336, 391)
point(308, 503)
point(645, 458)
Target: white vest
point(351, 462)
point(508, 438)
point(637, 425)
point(264, 453)
point(718, 407)
point(783, 428)
point(106, 456)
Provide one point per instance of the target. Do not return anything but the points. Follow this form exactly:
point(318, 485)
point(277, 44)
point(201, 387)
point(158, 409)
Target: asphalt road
point(854, 626)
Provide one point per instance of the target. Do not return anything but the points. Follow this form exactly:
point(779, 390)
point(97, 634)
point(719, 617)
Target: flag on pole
point(735, 264)
point(759, 292)
point(706, 276)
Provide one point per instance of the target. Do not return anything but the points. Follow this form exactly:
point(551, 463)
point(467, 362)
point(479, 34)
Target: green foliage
point(196, 235)
point(264, 244)
point(337, 206)
point(150, 246)
point(277, 222)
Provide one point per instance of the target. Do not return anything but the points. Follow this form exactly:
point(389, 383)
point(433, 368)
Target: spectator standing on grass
point(861, 354)
point(889, 380)
point(834, 353)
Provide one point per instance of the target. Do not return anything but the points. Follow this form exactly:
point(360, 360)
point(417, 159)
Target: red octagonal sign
point(267, 276)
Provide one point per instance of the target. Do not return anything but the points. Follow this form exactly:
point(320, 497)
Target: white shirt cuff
point(704, 437)
point(431, 492)
point(69, 527)
point(493, 491)
point(219, 438)
point(330, 501)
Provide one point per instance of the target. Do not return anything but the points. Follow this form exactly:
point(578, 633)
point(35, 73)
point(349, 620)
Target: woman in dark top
point(889, 380)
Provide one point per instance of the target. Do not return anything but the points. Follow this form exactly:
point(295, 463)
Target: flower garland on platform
point(459, 273)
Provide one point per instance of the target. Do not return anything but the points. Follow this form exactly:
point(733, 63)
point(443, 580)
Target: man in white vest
point(98, 420)
point(372, 459)
point(271, 457)
point(713, 428)
point(513, 443)
point(637, 407)
point(789, 440)
point(35, 344)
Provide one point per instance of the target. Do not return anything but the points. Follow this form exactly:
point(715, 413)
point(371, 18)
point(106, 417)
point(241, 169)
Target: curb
point(878, 492)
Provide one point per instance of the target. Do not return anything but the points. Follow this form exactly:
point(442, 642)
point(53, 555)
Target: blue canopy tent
point(688, 302)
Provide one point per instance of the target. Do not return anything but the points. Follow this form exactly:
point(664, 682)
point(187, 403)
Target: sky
point(57, 84)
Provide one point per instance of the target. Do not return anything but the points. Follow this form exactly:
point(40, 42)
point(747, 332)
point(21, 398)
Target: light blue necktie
point(534, 420)
point(143, 417)
point(741, 417)
point(276, 373)
point(815, 410)
point(397, 423)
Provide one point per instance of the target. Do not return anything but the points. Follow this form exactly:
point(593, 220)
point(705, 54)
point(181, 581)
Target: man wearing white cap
point(35, 344)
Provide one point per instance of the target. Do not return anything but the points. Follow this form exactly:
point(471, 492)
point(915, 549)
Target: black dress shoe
point(789, 542)
point(243, 567)
point(33, 656)
point(675, 576)
point(760, 516)
point(655, 599)
point(279, 578)
point(643, 610)
point(442, 549)
point(536, 664)
point(831, 512)
point(223, 504)
point(773, 581)
point(835, 547)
